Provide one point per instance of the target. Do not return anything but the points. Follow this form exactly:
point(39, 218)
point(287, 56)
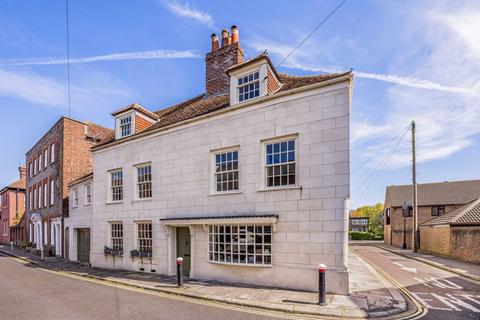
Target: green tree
point(373, 212)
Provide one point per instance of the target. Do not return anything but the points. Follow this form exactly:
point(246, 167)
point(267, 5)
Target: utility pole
point(414, 182)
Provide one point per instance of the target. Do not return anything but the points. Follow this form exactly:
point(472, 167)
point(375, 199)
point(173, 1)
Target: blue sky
point(413, 60)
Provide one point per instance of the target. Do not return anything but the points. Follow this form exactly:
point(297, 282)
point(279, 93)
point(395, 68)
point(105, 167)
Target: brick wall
point(396, 224)
point(273, 84)
point(465, 243)
point(435, 240)
point(217, 62)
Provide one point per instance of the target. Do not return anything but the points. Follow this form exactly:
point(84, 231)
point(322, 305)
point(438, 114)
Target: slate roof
point(440, 193)
point(468, 214)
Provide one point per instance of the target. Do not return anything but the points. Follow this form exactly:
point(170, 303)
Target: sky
point(413, 60)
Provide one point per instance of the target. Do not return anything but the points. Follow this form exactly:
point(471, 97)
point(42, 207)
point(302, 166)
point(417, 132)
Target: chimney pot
point(214, 42)
point(234, 34)
point(225, 37)
point(22, 171)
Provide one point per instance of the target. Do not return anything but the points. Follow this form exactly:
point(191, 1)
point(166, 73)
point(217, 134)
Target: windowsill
point(73, 207)
point(280, 188)
point(87, 205)
point(225, 193)
point(242, 264)
point(113, 202)
point(141, 200)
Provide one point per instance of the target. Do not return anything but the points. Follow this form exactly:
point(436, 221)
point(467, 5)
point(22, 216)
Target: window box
point(141, 254)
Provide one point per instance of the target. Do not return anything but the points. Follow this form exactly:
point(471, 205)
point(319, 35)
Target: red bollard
point(321, 284)
point(180, 271)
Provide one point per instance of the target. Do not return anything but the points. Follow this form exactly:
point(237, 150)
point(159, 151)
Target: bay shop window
point(240, 244)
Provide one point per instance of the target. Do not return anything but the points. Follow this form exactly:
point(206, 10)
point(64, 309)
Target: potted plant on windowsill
point(117, 253)
point(145, 254)
point(107, 251)
point(134, 253)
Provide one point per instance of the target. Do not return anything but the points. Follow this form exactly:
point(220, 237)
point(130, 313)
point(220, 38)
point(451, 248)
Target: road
point(27, 292)
point(444, 294)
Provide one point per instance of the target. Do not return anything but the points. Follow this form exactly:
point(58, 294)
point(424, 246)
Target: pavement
point(441, 293)
point(372, 296)
point(469, 270)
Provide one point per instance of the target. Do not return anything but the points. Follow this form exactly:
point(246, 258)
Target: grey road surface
point(444, 294)
point(27, 292)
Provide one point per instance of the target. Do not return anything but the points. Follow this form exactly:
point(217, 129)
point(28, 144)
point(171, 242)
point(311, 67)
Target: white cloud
point(91, 90)
point(441, 92)
point(139, 55)
point(185, 10)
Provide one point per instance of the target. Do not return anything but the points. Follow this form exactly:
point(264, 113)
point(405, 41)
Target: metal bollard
point(41, 253)
point(11, 245)
point(321, 284)
point(180, 271)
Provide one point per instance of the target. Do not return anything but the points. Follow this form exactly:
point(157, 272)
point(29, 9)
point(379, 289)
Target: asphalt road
point(445, 295)
point(27, 292)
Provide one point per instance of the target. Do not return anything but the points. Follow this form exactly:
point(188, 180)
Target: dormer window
point(126, 126)
point(248, 86)
point(132, 119)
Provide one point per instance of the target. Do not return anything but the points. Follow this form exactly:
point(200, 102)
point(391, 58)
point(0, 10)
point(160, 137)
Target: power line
point(311, 33)
point(382, 166)
point(68, 60)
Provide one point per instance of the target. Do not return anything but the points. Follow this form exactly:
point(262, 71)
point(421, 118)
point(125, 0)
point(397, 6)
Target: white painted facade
point(312, 223)
point(80, 213)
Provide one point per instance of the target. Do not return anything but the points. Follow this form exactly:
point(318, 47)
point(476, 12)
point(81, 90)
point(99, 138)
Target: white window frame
point(243, 88)
point(35, 163)
point(30, 169)
point(30, 199)
point(263, 162)
point(118, 125)
point(45, 194)
point(40, 162)
point(45, 158)
point(262, 69)
point(235, 257)
point(75, 198)
point(52, 192)
point(213, 173)
point(40, 196)
point(87, 201)
point(116, 242)
point(110, 187)
point(137, 183)
point(138, 239)
point(52, 152)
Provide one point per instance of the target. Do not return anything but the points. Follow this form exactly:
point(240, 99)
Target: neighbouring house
point(79, 220)
point(455, 234)
point(359, 224)
point(434, 199)
point(247, 181)
point(12, 208)
point(62, 155)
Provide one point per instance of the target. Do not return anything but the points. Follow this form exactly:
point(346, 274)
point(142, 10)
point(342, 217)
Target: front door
point(83, 245)
point(183, 248)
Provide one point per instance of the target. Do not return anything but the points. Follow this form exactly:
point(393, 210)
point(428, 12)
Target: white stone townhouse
point(78, 225)
point(247, 182)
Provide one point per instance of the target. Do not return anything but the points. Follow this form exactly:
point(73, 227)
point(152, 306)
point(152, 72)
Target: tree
point(373, 212)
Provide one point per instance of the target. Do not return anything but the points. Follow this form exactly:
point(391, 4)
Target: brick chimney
point(22, 172)
point(220, 59)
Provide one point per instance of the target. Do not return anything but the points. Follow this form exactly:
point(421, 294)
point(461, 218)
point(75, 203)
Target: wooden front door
point(83, 245)
point(183, 248)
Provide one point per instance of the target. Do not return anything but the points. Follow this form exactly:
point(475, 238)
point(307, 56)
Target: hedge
point(357, 235)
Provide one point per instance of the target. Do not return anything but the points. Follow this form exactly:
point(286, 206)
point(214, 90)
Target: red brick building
point(12, 206)
point(62, 155)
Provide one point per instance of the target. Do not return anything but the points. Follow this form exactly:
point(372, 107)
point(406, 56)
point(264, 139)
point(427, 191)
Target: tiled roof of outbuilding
point(440, 193)
point(468, 214)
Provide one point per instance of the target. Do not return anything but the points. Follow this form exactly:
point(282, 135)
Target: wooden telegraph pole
point(414, 182)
